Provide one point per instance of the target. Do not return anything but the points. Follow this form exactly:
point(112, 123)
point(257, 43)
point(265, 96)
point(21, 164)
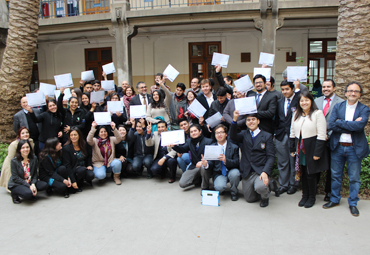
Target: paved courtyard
point(153, 217)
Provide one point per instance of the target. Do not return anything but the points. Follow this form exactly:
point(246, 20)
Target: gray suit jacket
point(319, 103)
point(20, 120)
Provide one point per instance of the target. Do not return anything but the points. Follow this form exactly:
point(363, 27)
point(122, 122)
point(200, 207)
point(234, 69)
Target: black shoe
point(16, 199)
point(354, 211)
point(281, 190)
point(79, 190)
point(330, 205)
point(66, 195)
point(49, 191)
point(90, 183)
point(264, 202)
point(234, 197)
point(303, 201)
point(327, 197)
point(291, 190)
point(310, 202)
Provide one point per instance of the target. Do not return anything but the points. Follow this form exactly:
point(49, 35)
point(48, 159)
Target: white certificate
point(48, 89)
point(264, 71)
point(266, 58)
point(108, 85)
point(220, 59)
point(36, 99)
point(138, 111)
point(115, 106)
point(197, 109)
point(244, 84)
point(171, 73)
point(297, 73)
point(97, 96)
point(67, 94)
point(212, 152)
point(63, 80)
point(87, 75)
point(102, 118)
point(109, 68)
point(246, 105)
point(214, 120)
point(172, 137)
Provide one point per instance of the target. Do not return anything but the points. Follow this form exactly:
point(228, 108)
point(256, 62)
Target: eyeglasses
point(353, 91)
point(142, 87)
point(220, 133)
point(259, 82)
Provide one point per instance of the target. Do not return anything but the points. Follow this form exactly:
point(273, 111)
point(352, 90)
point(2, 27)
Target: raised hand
point(149, 128)
point(113, 125)
point(94, 124)
point(236, 115)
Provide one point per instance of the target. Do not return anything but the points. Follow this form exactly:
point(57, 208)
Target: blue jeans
point(139, 161)
point(183, 161)
point(101, 172)
point(338, 158)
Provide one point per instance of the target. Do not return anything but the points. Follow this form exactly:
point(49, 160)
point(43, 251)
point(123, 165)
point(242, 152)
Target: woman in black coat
point(77, 159)
point(50, 169)
point(89, 110)
point(23, 181)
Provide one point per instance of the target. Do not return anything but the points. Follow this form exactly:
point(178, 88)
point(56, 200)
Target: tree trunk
point(16, 68)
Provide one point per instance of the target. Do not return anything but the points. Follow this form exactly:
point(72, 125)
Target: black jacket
point(52, 123)
point(47, 170)
point(138, 143)
point(266, 110)
point(17, 177)
point(70, 159)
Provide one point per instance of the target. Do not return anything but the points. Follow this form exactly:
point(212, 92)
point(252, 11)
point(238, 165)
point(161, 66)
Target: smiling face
point(24, 135)
point(190, 97)
point(221, 135)
point(122, 131)
point(305, 104)
point(287, 91)
point(24, 103)
point(142, 88)
point(74, 136)
point(184, 125)
point(25, 150)
point(124, 85)
point(155, 96)
point(103, 134)
point(73, 104)
point(259, 85)
point(52, 107)
point(252, 123)
point(129, 92)
point(161, 128)
point(328, 89)
point(139, 128)
point(194, 83)
point(206, 89)
point(85, 100)
point(353, 93)
point(114, 98)
point(194, 132)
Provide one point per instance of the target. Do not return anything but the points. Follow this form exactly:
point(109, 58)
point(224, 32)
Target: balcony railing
point(69, 8)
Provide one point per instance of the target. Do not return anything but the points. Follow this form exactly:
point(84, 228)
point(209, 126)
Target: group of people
point(60, 148)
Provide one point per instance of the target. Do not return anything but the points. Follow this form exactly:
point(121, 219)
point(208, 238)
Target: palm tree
point(16, 67)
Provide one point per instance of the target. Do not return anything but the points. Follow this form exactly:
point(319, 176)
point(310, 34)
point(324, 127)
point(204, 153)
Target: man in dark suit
point(266, 104)
point(257, 161)
point(23, 119)
point(142, 98)
point(348, 143)
point(207, 97)
point(326, 104)
point(226, 168)
point(285, 108)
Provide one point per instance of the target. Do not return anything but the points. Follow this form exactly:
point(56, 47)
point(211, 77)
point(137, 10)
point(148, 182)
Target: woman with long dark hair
point(23, 181)
point(184, 113)
point(76, 92)
point(77, 158)
point(22, 134)
point(307, 144)
point(158, 108)
point(51, 170)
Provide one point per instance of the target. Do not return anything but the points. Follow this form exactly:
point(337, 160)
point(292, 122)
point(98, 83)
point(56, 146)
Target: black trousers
point(81, 173)
point(25, 192)
point(328, 174)
point(309, 183)
point(59, 186)
point(126, 169)
point(171, 163)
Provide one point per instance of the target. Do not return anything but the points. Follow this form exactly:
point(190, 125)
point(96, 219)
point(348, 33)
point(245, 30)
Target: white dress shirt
point(209, 99)
point(142, 99)
point(350, 112)
point(256, 132)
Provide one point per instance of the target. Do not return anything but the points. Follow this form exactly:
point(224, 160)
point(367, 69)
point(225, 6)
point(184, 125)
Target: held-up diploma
point(220, 59)
point(197, 109)
point(244, 84)
point(102, 118)
point(172, 137)
point(171, 73)
point(36, 99)
point(109, 68)
point(246, 105)
point(212, 152)
point(266, 58)
point(137, 111)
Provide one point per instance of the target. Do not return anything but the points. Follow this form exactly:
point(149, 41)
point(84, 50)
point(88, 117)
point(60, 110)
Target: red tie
point(326, 108)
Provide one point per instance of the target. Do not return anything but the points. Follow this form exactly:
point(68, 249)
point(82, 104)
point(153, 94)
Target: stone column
point(268, 23)
point(4, 25)
point(123, 33)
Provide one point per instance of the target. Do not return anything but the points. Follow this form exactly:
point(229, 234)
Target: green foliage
point(3, 153)
point(300, 60)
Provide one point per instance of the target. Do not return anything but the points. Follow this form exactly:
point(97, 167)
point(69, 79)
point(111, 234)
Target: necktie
point(258, 99)
point(224, 171)
point(287, 107)
point(144, 98)
point(252, 134)
point(326, 108)
point(197, 147)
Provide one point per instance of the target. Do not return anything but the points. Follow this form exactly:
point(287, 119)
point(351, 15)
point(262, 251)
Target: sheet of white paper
point(102, 118)
point(212, 152)
point(210, 197)
point(48, 89)
point(244, 84)
point(109, 68)
point(108, 85)
point(220, 59)
point(246, 105)
point(297, 72)
point(137, 111)
point(67, 94)
point(214, 120)
point(115, 106)
point(36, 99)
point(264, 71)
point(63, 80)
point(87, 75)
point(172, 137)
point(197, 109)
point(97, 96)
point(171, 72)
point(266, 58)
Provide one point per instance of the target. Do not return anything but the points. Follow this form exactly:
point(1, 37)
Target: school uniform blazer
point(313, 132)
point(319, 103)
point(195, 155)
point(260, 157)
point(154, 139)
point(17, 170)
point(339, 125)
point(266, 110)
point(20, 120)
point(232, 160)
point(136, 100)
point(202, 99)
point(282, 122)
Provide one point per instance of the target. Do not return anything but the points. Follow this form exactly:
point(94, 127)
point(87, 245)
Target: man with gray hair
point(142, 98)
